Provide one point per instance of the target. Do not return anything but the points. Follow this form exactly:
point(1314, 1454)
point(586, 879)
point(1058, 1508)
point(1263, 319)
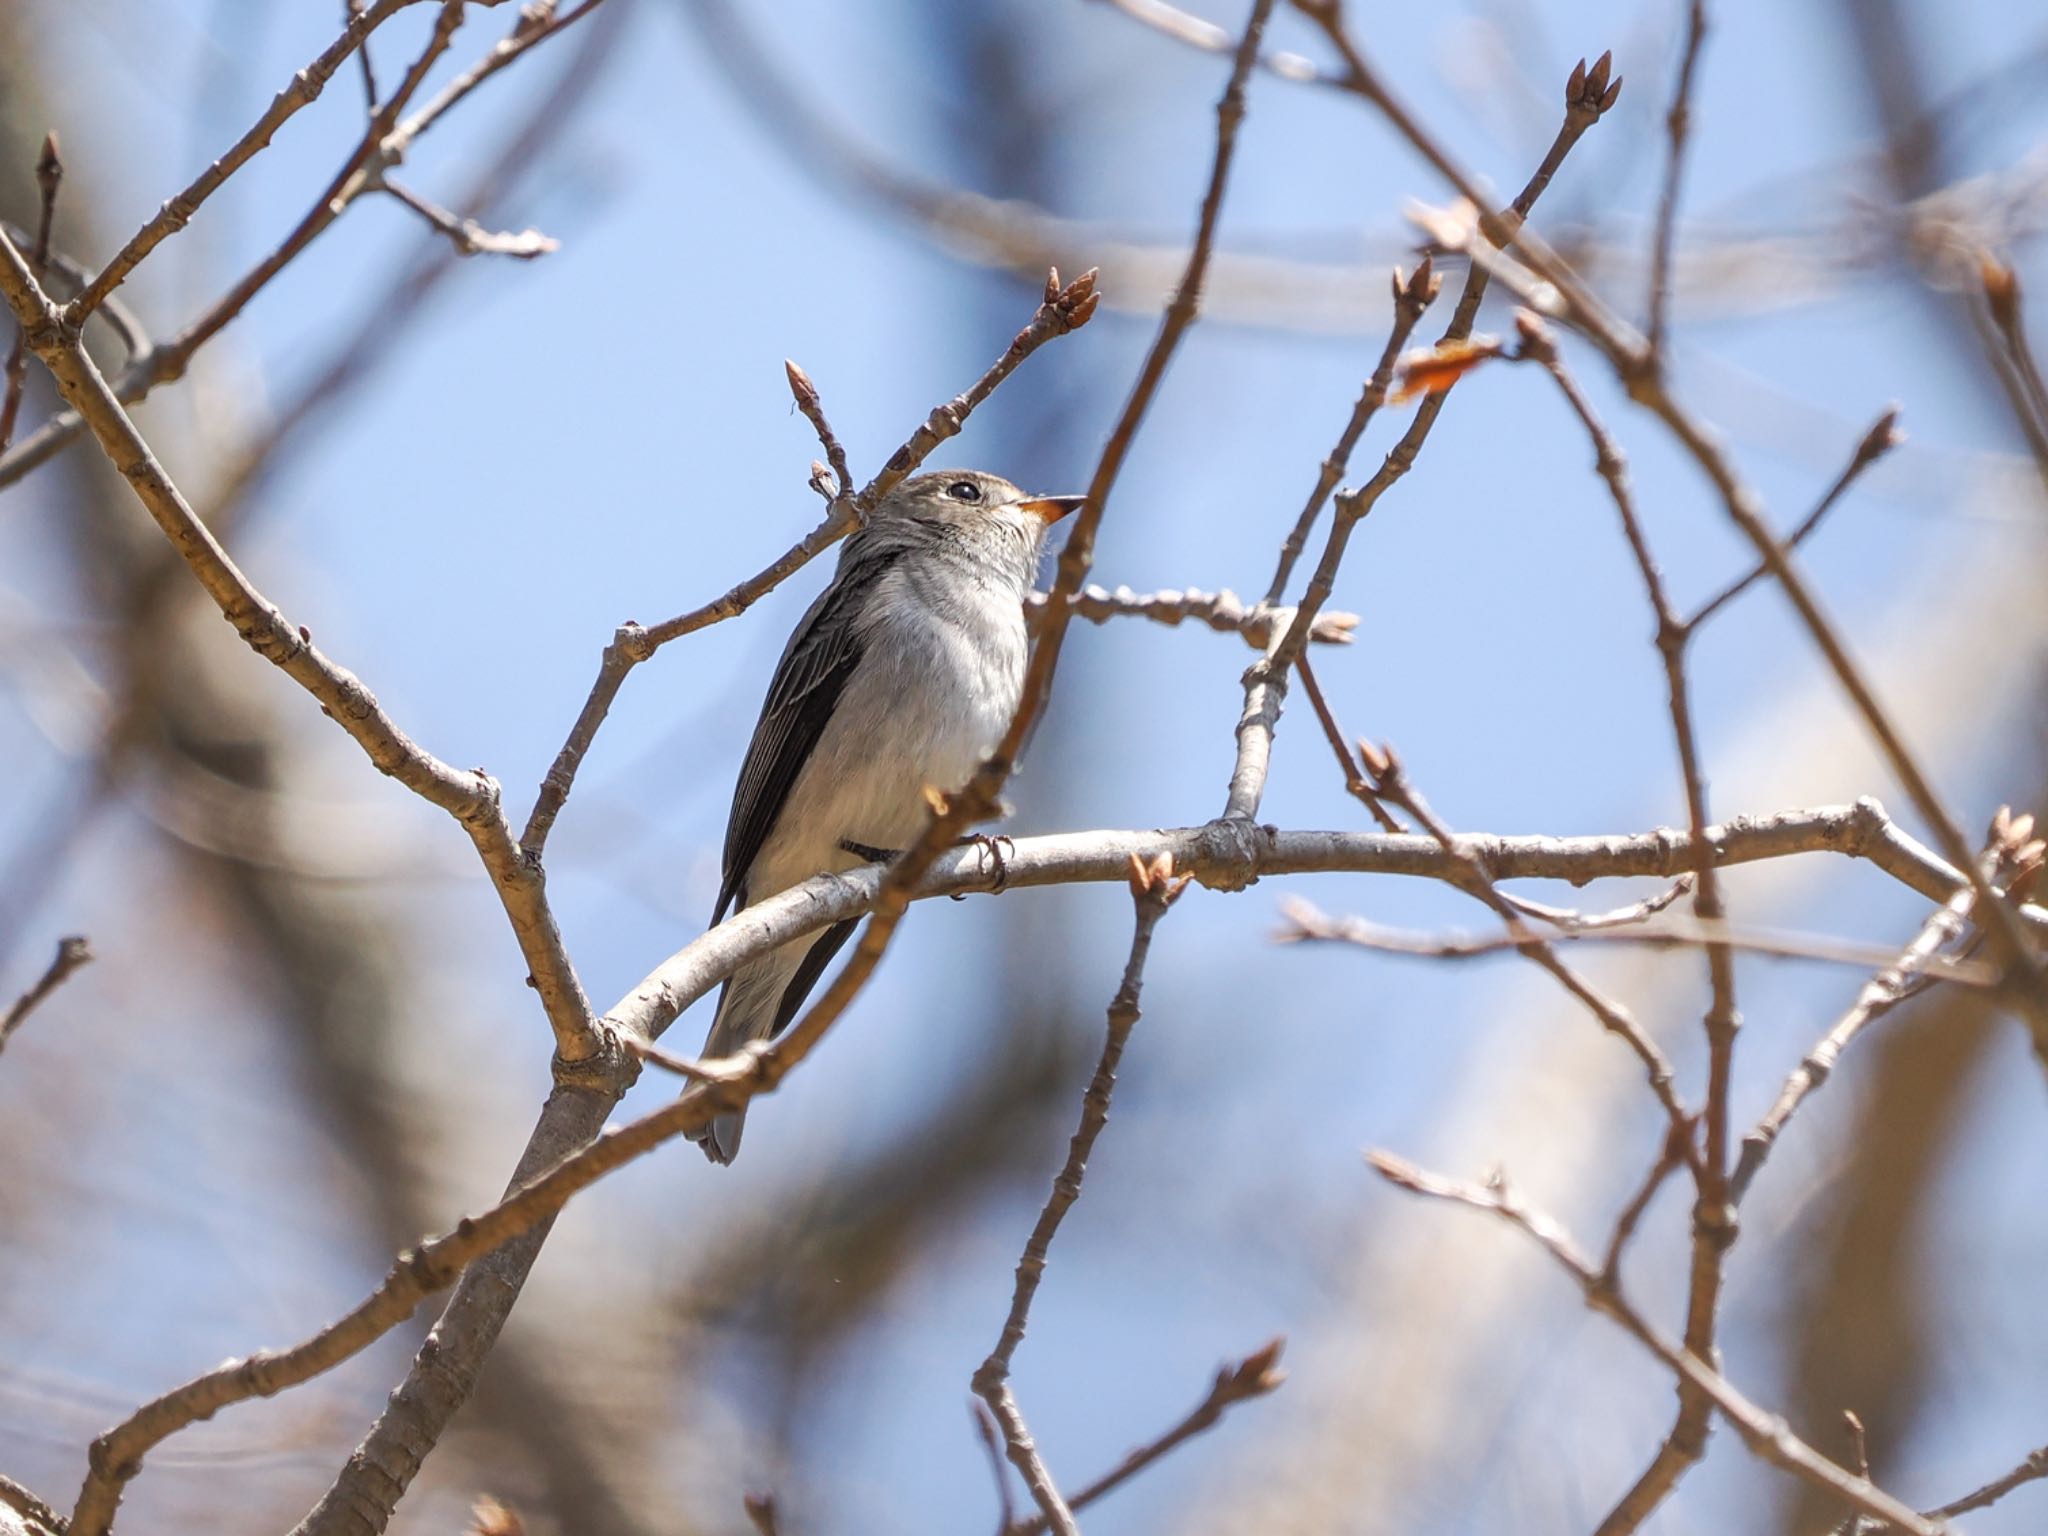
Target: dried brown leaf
point(1432, 370)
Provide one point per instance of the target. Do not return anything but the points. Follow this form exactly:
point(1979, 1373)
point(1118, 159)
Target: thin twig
point(1677, 123)
point(1572, 921)
point(1713, 1225)
point(1355, 783)
point(991, 1436)
point(1671, 1156)
point(1879, 996)
point(1588, 96)
point(1153, 889)
point(1265, 681)
point(1078, 554)
point(174, 215)
point(49, 176)
point(813, 408)
point(1224, 611)
point(1306, 923)
point(1766, 1435)
point(2033, 1469)
point(1883, 436)
point(538, 21)
point(1411, 297)
point(1387, 780)
point(1551, 289)
point(1239, 1381)
point(72, 953)
point(383, 143)
point(350, 10)
point(467, 236)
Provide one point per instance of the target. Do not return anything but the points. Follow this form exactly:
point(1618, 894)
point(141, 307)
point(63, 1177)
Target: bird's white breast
point(941, 671)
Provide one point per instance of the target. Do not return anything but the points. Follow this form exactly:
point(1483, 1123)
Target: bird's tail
point(756, 1003)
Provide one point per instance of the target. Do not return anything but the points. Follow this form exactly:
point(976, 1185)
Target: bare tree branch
point(1677, 122)
point(1764, 1433)
point(1225, 612)
point(49, 176)
point(470, 797)
point(1714, 1226)
point(383, 142)
point(1587, 97)
point(1239, 1381)
point(1883, 436)
point(467, 236)
point(1879, 996)
point(1307, 924)
point(72, 953)
point(1548, 286)
point(43, 1520)
point(1153, 889)
point(303, 90)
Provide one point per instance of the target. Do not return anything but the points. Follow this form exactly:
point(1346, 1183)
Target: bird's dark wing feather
point(820, 657)
point(808, 970)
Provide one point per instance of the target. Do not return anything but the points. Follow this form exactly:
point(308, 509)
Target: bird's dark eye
point(964, 490)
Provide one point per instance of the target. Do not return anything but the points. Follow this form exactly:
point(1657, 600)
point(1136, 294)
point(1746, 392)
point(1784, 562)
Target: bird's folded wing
point(821, 655)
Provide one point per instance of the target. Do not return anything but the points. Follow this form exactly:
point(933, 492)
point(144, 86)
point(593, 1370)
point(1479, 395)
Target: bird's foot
point(991, 848)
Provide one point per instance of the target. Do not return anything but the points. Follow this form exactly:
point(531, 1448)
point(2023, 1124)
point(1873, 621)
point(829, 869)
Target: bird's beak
point(1050, 509)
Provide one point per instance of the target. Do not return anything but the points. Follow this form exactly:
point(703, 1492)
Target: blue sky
point(606, 433)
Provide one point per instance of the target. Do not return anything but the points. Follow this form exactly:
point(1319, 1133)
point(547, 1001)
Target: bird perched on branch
point(903, 674)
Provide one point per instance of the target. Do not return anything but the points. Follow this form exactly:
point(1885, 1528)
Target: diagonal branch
point(1677, 124)
point(382, 144)
point(1225, 612)
point(1240, 1381)
point(470, 797)
point(1588, 96)
point(1883, 992)
point(1766, 1435)
point(302, 91)
point(49, 176)
point(1153, 889)
point(1713, 1219)
point(1883, 436)
point(72, 954)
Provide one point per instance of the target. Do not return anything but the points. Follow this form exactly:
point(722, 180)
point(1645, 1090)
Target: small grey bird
point(904, 673)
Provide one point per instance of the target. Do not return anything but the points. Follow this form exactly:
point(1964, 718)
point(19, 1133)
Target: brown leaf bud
point(1258, 1372)
point(1424, 286)
point(1052, 284)
point(49, 166)
point(2001, 289)
point(489, 1517)
point(800, 384)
